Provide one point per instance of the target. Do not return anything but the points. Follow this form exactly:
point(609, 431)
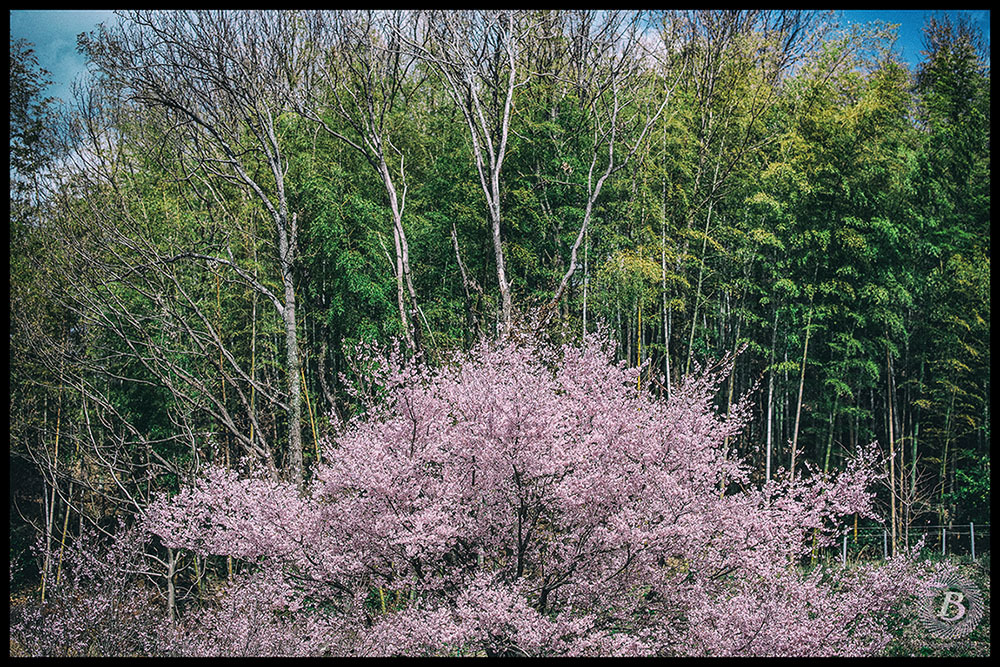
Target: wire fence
point(874, 542)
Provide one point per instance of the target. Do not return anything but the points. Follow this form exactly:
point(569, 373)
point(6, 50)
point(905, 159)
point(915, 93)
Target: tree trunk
point(286, 241)
point(770, 397)
point(469, 285)
point(404, 281)
point(506, 312)
point(697, 295)
point(944, 455)
point(586, 279)
point(802, 385)
point(916, 436)
point(892, 453)
point(829, 439)
point(665, 307)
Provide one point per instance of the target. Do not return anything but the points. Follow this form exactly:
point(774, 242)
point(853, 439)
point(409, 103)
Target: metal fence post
point(843, 558)
point(944, 535)
point(972, 539)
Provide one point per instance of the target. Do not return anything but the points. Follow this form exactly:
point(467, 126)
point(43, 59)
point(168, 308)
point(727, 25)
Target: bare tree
point(225, 80)
point(360, 59)
point(480, 56)
point(624, 87)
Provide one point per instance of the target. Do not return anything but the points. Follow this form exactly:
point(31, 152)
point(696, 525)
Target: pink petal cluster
point(529, 500)
point(257, 614)
point(101, 605)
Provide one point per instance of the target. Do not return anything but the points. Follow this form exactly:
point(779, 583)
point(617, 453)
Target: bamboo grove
point(235, 204)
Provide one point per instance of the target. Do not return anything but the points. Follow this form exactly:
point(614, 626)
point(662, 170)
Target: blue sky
point(54, 32)
point(911, 23)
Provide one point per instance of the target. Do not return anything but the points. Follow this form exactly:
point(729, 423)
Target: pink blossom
point(523, 499)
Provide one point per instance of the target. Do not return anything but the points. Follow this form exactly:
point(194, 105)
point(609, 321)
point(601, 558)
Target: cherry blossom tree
point(528, 499)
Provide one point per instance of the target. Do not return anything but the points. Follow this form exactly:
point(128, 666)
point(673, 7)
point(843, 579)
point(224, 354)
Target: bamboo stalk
point(770, 399)
point(802, 384)
point(892, 451)
point(62, 541)
point(52, 502)
point(312, 421)
point(638, 344)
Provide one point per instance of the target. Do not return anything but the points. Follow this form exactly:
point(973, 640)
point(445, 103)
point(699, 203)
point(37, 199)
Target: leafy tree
point(35, 385)
point(31, 118)
point(952, 214)
point(226, 79)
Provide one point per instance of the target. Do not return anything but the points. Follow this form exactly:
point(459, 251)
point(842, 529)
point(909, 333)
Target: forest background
point(235, 205)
